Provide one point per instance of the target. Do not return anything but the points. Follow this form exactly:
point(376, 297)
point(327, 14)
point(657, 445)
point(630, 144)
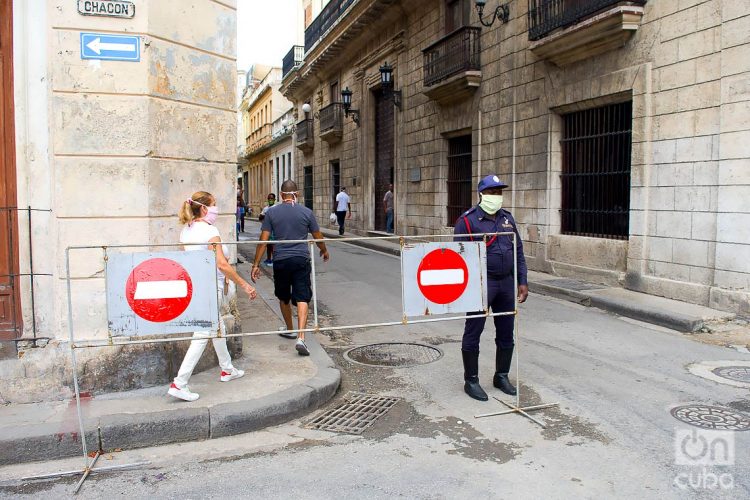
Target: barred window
point(308, 181)
point(459, 177)
point(596, 149)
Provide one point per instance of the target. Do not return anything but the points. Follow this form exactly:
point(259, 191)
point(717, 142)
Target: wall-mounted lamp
point(306, 108)
point(502, 12)
point(346, 97)
point(386, 81)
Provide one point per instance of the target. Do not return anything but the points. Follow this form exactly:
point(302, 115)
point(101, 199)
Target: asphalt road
point(612, 435)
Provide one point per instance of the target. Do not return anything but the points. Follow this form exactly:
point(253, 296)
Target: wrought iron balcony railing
point(327, 18)
point(546, 16)
point(292, 60)
point(332, 120)
point(454, 53)
point(305, 139)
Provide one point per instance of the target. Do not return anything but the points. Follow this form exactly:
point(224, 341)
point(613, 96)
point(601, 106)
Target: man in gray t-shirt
point(291, 262)
point(388, 207)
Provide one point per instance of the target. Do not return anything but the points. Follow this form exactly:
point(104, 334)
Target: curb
point(46, 441)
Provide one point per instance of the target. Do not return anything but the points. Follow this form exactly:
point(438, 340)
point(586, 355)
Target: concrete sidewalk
point(279, 385)
point(674, 314)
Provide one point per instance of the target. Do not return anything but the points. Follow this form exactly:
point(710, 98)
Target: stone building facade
point(266, 126)
point(107, 151)
point(621, 127)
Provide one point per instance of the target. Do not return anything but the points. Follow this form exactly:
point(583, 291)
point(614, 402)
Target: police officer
point(489, 217)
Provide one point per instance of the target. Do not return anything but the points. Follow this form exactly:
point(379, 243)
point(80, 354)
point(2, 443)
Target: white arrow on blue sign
point(110, 47)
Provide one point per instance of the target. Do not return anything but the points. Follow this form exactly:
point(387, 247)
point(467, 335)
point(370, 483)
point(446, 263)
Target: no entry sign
point(164, 292)
point(440, 278)
point(159, 290)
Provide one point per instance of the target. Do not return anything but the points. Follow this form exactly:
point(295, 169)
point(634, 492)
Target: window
point(334, 92)
point(308, 15)
point(308, 181)
point(335, 179)
point(290, 174)
point(459, 177)
point(457, 14)
point(596, 172)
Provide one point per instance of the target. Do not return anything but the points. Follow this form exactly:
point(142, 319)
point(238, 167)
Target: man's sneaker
point(286, 334)
point(301, 348)
point(184, 393)
point(231, 374)
point(268, 262)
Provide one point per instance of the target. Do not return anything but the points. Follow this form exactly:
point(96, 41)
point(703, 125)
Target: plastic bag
point(332, 218)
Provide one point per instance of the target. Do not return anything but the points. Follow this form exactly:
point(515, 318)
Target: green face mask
point(491, 203)
point(271, 202)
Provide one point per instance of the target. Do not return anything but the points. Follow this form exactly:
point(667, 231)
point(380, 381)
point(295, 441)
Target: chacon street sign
point(110, 47)
point(442, 278)
point(107, 8)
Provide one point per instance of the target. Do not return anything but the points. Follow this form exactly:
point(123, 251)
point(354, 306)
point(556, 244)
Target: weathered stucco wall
point(113, 148)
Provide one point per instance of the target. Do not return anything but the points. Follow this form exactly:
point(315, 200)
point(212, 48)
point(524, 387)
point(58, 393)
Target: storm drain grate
point(711, 417)
point(736, 373)
point(394, 354)
point(357, 413)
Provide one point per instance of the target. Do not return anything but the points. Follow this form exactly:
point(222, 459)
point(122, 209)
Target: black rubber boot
point(471, 376)
point(503, 358)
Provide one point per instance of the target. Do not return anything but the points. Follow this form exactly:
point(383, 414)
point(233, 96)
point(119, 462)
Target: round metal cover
point(394, 354)
point(736, 373)
point(712, 417)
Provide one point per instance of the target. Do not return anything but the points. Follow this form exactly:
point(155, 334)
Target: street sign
point(110, 47)
point(106, 8)
point(161, 292)
point(442, 278)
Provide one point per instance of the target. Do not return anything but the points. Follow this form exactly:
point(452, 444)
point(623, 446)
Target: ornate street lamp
point(346, 97)
point(386, 82)
point(502, 12)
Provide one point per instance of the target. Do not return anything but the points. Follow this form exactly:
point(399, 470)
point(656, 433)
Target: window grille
point(596, 149)
point(459, 177)
point(308, 180)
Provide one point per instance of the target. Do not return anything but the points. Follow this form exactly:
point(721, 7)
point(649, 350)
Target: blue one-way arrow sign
point(110, 47)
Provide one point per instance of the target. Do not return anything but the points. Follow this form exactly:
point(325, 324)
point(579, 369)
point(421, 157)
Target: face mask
point(491, 203)
point(294, 195)
point(271, 202)
point(212, 215)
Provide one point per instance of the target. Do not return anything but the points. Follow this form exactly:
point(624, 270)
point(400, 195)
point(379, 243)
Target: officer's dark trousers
point(500, 299)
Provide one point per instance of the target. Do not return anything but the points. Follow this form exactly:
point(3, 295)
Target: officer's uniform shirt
point(500, 252)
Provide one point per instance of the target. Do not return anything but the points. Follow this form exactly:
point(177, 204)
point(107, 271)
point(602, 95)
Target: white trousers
point(198, 345)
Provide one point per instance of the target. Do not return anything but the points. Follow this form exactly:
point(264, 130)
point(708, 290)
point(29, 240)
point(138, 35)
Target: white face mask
point(491, 203)
point(294, 195)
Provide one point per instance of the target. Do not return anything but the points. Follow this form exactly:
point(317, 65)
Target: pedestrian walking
point(388, 207)
point(291, 263)
point(270, 203)
point(489, 217)
point(198, 214)
point(241, 212)
point(343, 205)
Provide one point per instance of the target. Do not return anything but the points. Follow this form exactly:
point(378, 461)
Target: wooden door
point(384, 155)
point(10, 323)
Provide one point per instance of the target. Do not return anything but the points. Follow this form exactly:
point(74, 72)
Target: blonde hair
point(189, 211)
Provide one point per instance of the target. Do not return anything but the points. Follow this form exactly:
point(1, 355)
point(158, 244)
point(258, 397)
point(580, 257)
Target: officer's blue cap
point(491, 181)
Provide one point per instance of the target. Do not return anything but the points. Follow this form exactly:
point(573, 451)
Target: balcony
point(332, 122)
point(305, 139)
point(292, 60)
point(566, 31)
point(452, 66)
point(258, 138)
point(325, 20)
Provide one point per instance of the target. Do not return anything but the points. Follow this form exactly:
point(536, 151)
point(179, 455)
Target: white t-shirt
point(202, 232)
point(342, 200)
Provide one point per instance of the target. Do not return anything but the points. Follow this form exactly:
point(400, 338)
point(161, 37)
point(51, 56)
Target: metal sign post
point(517, 407)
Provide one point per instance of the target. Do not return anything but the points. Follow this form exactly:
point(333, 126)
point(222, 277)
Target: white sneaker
point(286, 334)
point(184, 393)
point(231, 374)
point(302, 348)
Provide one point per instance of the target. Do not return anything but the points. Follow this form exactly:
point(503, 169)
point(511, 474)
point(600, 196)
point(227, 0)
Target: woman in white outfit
point(198, 214)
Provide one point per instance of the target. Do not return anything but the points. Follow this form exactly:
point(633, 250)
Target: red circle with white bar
point(159, 290)
point(442, 276)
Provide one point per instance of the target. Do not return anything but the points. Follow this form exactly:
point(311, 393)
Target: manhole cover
point(711, 417)
point(736, 373)
point(357, 413)
point(394, 354)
